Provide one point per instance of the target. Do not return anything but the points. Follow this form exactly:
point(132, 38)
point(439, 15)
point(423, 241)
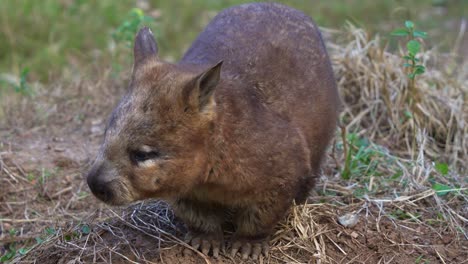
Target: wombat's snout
point(100, 188)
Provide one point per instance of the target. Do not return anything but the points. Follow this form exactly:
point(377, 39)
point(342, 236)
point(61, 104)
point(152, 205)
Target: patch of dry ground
point(149, 233)
point(47, 214)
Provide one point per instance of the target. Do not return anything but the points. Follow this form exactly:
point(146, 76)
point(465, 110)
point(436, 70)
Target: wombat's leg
point(254, 224)
point(204, 224)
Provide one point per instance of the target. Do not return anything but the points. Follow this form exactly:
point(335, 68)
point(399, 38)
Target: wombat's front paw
point(249, 248)
point(204, 242)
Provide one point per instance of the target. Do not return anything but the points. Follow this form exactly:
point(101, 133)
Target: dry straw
point(378, 104)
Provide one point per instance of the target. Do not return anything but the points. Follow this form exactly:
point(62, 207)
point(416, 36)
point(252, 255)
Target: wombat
point(231, 134)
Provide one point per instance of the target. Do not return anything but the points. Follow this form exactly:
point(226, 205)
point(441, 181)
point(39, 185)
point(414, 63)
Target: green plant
point(441, 189)
point(31, 177)
point(124, 35)
point(412, 63)
point(420, 260)
point(413, 47)
point(14, 250)
point(404, 215)
point(127, 30)
point(21, 86)
point(442, 168)
point(9, 254)
point(360, 157)
point(369, 166)
point(46, 174)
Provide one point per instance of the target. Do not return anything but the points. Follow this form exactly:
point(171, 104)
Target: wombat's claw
point(204, 243)
point(250, 249)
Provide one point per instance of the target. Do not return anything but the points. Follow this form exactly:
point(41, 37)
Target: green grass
point(60, 39)
point(48, 35)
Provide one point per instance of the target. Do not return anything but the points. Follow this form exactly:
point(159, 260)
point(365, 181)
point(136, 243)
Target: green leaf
point(411, 75)
point(407, 57)
point(419, 70)
point(85, 229)
point(441, 189)
point(12, 232)
point(407, 65)
point(23, 251)
point(360, 192)
point(409, 24)
point(442, 168)
point(50, 230)
point(413, 47)
point(9, 255)
point(400, 32)
point(362, 142)
point(39, 240)
point(419, 34)
point(408, 114)
point(24, 73)
point(397, 175)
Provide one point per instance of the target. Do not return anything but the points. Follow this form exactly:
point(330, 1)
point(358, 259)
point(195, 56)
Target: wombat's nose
point(100, 189)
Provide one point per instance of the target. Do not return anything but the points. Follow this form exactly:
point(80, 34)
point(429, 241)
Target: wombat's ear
point(200, 93)
point(145, 46)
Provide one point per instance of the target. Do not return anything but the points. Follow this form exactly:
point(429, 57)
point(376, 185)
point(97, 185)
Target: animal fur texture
point(232, 134)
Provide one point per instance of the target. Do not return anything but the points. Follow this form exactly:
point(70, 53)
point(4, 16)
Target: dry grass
point(399, 219)
point(380, 105)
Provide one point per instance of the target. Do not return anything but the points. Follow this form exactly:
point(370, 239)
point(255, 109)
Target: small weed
point(124, 35)
point(9, 254)
point(21, 86)
point(360, 158)
point(442, 168)
point(82, 195)
point(12, 232)
point(85, 229)
point(127, 30)
point(46, 174)
point(50, 231)
point(403, 215)
point(31, 177)
point(441, 189)
point(78, 232)
point(421, 260)
point(413, 47)
point(369, 165)
point(360, 192)
point(13, 250)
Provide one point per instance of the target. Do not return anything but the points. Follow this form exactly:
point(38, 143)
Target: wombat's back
point(278, 52)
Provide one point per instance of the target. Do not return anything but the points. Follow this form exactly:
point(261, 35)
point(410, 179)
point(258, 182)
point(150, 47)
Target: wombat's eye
point(140, 156)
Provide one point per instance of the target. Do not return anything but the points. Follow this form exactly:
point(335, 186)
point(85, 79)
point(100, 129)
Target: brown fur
point(235, 145)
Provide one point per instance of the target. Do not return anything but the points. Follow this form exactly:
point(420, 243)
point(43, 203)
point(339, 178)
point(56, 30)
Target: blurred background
point(49, 40)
